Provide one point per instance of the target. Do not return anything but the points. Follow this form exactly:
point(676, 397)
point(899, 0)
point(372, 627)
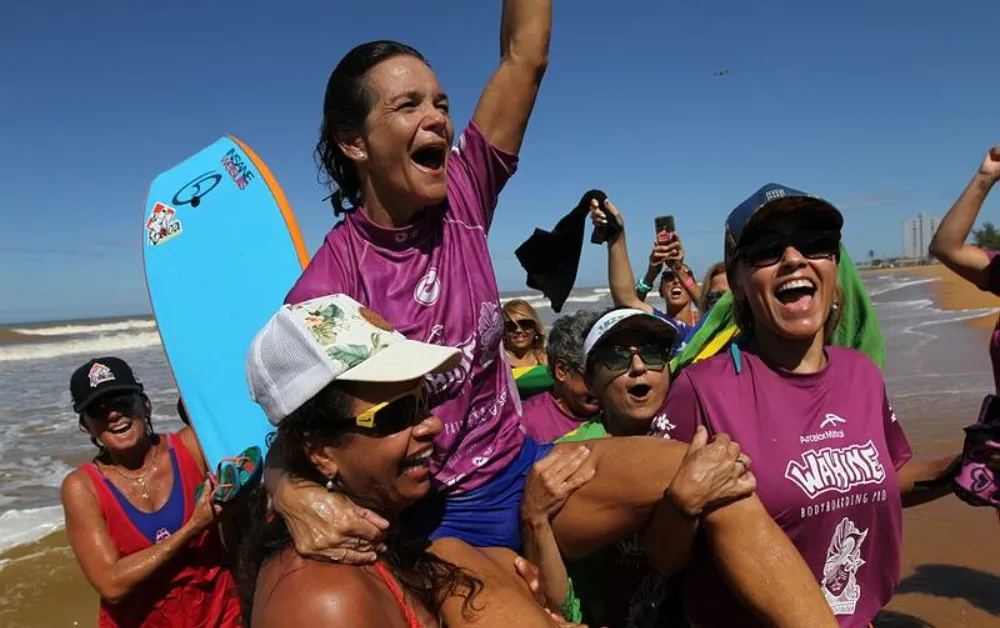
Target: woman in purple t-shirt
point(832, 464)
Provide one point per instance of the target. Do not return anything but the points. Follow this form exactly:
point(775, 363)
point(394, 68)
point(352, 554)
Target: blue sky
point(886, 108)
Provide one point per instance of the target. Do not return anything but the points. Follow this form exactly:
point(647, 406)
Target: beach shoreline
point(951, 551)
point(951, 291)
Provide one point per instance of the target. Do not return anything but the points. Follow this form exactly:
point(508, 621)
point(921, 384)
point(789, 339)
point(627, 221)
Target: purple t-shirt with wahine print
point(544, 421)
point(434, 282)
point(826, 448)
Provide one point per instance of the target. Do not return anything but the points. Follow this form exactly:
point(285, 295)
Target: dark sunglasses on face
point(524, 324)
point(122, 404)
point(393, 416)
point(769, 247)
point(713, 297)
point(619, 358)
point(670, 275)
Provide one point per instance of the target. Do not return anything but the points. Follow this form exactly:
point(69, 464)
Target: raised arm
point(620, 277)
point(967, 260)
point(113, 576)
point(509, 97)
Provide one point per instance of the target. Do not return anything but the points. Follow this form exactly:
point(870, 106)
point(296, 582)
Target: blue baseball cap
point(772, 198)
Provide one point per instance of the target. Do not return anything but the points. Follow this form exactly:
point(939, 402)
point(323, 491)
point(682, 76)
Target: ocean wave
point(899, 285)
point(99, 328)
point(106, 343)
point(21, 527)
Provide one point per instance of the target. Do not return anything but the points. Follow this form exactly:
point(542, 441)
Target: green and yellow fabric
point(532, 380)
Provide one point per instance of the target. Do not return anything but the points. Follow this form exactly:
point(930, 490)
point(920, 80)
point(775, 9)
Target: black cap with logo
point(771, 198)
point(99, 377)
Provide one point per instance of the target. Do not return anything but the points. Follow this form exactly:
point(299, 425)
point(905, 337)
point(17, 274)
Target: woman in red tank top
point(149, 550)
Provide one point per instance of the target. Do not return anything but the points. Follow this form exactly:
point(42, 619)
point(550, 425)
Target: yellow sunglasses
point(396, 414)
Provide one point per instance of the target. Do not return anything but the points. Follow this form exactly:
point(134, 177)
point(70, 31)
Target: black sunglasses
point(524, 324)
point(393, 416)
point(713, 297)
point(669, 275)
point(619, 357)
point(102, 407)
point(769, 247)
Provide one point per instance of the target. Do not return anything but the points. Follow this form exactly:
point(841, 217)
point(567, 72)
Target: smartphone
point(665, 223)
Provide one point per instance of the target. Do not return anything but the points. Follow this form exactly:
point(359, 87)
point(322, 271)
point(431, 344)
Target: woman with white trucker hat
point(346, 395)
point(331, 360)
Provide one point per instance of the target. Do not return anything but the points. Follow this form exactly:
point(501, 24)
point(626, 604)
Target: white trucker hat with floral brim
point(306, 346)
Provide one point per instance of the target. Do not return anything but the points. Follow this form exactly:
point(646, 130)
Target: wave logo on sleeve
point(836, 469)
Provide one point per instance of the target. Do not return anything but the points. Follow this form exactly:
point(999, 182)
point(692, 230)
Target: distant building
point(917, 234)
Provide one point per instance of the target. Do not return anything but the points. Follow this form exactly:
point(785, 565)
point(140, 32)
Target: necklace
point(138, 478)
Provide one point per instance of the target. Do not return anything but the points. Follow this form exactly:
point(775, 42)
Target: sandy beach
point(951, 564)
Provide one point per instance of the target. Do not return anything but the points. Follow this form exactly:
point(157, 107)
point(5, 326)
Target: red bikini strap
point(411, 618)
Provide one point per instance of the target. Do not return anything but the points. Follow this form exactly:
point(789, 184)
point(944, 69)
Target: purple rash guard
point(434, 282)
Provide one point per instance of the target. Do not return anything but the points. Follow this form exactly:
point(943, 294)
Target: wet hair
point(567, 336)
point(325, 419)
point(182, 412)
point(346, 105)
point(522, 307)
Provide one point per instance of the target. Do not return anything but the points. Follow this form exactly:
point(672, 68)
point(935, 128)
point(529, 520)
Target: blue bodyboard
point(221, 249)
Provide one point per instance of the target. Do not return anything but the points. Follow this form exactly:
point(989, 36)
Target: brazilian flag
point(532, 380)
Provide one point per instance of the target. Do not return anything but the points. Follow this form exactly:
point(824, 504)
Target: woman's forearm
point(923, 481)
point(764, 568)
point(949, 242)
point(130, 572)
point(540, 548)
point(649, 281)
point(668, 537)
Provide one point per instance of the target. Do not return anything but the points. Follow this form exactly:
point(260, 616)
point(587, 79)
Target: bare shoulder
point(76, 487)
point(294, 591)
point(494, 565)
point(504, 599)
point(190, 441)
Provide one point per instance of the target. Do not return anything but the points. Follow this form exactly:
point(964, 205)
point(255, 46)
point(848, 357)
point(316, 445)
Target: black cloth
point(552, 258)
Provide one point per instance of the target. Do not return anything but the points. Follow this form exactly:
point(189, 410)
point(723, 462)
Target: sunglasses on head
point(393, 416)
point(619, 357)
point(523, 324)
point(769, 247)
point(102, 407)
